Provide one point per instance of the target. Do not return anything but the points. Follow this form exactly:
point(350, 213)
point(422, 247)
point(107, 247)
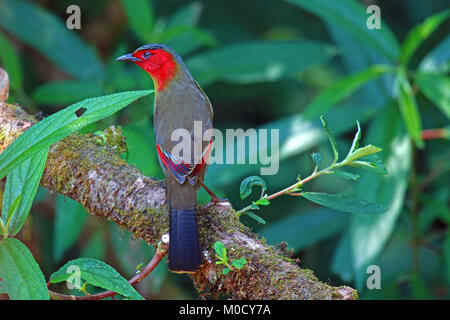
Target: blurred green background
point(261, 63)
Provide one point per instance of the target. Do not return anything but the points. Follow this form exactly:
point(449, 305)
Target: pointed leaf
point(344, 203)
point(342, 89)
point(375, 165)
point(409, 109)
point(351, 16)
point(420, 33)
point(20, 274)
point(188, 15)
point(140, 17)
point(61, 124)
point(255, 217)
point(330, 137)
point(220, 249)
point(23, 181)
point(346, 175)
point(363, 152)
point(96, 273)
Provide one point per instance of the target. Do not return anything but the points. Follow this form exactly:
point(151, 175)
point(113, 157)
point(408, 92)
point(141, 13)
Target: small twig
point(159, 255)
point(431, 134)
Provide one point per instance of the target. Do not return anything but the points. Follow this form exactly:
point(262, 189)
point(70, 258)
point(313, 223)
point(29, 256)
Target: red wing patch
point(180, 169)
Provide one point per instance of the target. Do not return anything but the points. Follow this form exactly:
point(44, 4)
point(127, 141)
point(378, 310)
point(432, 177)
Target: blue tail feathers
point(184, 247)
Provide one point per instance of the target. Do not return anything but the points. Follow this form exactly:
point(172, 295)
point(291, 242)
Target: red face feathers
point(159, 63)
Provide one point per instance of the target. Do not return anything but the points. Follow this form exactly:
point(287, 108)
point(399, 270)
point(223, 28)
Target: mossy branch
point(91, 172)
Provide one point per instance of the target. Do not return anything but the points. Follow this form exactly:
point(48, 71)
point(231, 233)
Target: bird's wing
point(180, 169)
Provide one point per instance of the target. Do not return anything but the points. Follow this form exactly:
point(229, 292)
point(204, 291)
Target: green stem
point(299, 184)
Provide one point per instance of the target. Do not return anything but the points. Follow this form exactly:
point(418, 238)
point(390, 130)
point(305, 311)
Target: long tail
point(184, 246)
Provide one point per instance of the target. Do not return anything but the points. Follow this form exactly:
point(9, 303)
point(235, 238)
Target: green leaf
point(317, 158)
point(363, 152)
point(344, 203)
point(226, 271)
point(346, 175)
point(255, 217)
point(66, 91)
point(188, 15)
point(22, 181)
point(342, 89)
point(358, 56)
point(258, 61)
point(421, 32)
point(20, 274)
point(46, 33)
point(239, 263)
point(435, 87)
point(96, 273)
point(438, 59)
point(185, 39)
point(61, 124)
point(262, 202)
point(409, 109)
point(351, 16)
point(141, 18)
point(355, 143)
point(248, 183)
point(376, 165)
point(70, 217)
point(330, 137)
point(12, 210)
point(10, 61)
point(302, 229)
point(220, 249)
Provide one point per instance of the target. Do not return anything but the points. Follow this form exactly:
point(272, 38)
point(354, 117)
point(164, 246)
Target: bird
point(180, 103)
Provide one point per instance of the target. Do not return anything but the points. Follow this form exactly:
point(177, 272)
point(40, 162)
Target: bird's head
point(160, 62)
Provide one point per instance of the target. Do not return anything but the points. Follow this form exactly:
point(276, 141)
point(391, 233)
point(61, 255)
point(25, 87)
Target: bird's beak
point(128, 57)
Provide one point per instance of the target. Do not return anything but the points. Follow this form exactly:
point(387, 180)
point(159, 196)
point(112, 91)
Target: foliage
point(276, 65)
point(221, 255)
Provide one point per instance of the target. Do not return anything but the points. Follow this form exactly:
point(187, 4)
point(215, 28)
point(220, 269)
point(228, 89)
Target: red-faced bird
point(179, 103)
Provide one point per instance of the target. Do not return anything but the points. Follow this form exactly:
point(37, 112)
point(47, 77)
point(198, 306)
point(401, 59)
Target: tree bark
point(90, 171)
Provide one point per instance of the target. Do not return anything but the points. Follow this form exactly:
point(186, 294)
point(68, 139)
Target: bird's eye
point(146, 55)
